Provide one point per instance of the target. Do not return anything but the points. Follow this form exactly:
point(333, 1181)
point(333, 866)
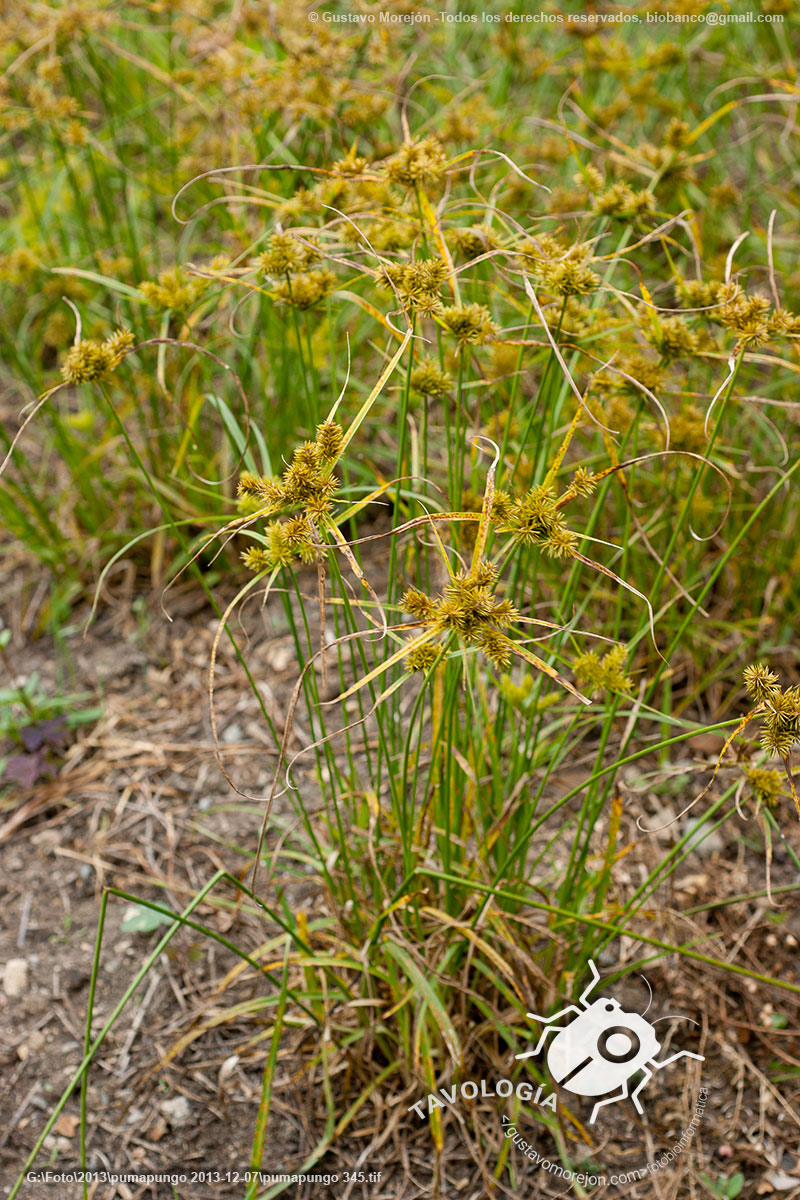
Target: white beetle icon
point(603, 1049)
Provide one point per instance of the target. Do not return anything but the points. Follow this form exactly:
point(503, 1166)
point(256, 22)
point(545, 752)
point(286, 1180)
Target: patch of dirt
point(138, 803)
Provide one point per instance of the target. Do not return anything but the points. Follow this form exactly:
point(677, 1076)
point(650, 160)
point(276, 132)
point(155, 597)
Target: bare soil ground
point(137, 801)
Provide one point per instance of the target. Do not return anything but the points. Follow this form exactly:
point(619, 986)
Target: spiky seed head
point(256, 558)
point(622, 201)
point(750, 317)
point(591, 177)
point(588, 671)
point(502, 506)
point(496, 647)
point(595, 674)
point(583, 483)
point(693, 293)
point(472, 241)
point(416, 283)
point(780, 730)
point(297, 531)
point(329, 440)
point(250, 484)
point(306, 455)
point(174, 289)
point(87, 361)
point(471, 324)
point(351, 164)
point(504, 613)
point(671, 336)
point(779, 737)
point(287, 251)
point(766, 785)
point(283, 548)
point(677, 133)
point(417, 162)
point(317, 505)
point(560, 542)
point(687, 430)
point(429, 379)
point(421, 658)
point(306, 288)
point(118, 344)
point(418, 605)
point(484, 574)
point(274, 493)
point(516, 693)
point(478, 601)
point(760, 683)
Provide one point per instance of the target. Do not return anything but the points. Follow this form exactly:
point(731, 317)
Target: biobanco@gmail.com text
point(437, 17)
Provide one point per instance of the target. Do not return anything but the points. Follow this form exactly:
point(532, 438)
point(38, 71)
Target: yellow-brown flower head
point(174, 290)
point(760, 683)
point(749, 317)
point(561, 271)
point(471, 324)
point(622, 201)
point(421, 658)
point(417, 162)
point(287, 251)
point(472, 241)
point(781, 729)
point(418, 605)
point(468, 608)
point(766, 785)
point(90, 360)
point(671, 336)
point(429, 379)
point(86, 361)
point(329, 441)
point(284, 542)
point(305, 289)
point(535, 520)
point(417, 284)
point(596, 674)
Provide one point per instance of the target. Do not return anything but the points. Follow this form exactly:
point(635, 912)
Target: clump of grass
point(620, 367)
